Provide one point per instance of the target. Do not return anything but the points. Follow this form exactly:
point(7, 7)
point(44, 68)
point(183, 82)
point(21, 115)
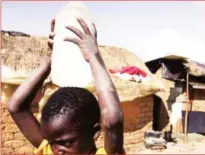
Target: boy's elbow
point(11, 106)
point(111, 111)
point(113, 118)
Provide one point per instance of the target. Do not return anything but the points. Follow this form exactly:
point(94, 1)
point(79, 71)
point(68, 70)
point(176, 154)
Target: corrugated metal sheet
point(175, 67)
point(196, 122)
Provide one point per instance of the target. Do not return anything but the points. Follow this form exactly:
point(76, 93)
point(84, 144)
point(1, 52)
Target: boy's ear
point(97, 131)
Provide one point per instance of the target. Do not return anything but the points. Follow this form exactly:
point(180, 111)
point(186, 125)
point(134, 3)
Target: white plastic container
point(68, 65)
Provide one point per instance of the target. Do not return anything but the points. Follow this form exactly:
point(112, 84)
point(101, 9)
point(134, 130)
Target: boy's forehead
point(58, 127)
point(60, 122)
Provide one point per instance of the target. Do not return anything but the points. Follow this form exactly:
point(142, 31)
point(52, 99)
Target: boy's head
point(71, 120)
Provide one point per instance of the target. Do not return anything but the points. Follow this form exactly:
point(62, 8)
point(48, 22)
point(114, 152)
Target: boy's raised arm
point(19, 105)
point(111, 111)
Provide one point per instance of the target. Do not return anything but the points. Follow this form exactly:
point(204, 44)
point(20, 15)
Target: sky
point(148, 29)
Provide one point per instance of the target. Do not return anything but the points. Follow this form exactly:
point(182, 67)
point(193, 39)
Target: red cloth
point(132, 70)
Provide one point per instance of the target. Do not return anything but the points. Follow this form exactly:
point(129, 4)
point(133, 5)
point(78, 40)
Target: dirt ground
point(195, 145)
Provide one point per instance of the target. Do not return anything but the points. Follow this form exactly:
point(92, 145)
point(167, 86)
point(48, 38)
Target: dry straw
point(24, 54)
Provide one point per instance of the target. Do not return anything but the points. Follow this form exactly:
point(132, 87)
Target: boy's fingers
point(52, 24)
point(73, 40)
point(50, 43)
point(76, 31)
point(94, 31)
point(51, 35)
point(84, 26)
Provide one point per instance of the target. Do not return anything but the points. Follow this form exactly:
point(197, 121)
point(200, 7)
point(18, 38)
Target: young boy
point(70, 121)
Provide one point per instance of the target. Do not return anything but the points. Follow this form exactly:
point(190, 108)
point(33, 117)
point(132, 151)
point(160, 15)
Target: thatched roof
point(194, 68)
point(15, 33)
point(23, 54)
point(20, 55)
point(116, 58)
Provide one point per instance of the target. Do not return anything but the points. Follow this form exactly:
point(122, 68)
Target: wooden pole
point(187, 107)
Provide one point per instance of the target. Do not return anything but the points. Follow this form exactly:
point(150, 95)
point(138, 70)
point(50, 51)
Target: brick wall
point(11, 139)
point(138, 116)
point(137, 119)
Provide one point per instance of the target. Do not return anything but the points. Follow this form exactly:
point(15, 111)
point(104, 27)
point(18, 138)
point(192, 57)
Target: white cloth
point(126, 76)
point(176, 112)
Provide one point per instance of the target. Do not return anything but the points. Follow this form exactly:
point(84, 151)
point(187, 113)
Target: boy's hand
point(51, 35)
point(87, 41)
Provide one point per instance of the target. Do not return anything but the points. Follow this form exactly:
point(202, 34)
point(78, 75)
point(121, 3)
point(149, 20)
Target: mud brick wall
point(11, 138)
point(138, 116)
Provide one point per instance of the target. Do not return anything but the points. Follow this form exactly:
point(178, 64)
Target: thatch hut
point(21, 55)
point(173, 71)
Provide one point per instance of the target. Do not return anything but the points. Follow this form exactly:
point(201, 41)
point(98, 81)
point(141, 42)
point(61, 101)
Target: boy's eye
point(64, 143)
point(67, 144)
point(50, 142)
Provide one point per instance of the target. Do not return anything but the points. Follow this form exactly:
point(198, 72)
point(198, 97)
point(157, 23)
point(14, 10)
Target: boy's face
point(64, 139)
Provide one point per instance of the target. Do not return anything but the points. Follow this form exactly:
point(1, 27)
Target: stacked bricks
point(12, 140)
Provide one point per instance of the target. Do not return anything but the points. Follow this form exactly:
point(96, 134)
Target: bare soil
point(194, 145)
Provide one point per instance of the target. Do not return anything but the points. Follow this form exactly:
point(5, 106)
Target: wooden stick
point(187, 108)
